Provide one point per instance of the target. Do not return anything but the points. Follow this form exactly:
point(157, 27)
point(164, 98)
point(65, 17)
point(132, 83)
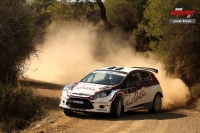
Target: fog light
point(101, 106)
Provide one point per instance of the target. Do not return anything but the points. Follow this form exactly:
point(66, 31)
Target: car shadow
point(163, 115)
point(137, 115)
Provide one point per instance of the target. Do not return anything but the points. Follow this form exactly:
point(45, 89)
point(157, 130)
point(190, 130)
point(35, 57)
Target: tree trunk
point(103, 15)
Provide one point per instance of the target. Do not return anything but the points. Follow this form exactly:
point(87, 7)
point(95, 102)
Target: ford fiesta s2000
point(114, 90)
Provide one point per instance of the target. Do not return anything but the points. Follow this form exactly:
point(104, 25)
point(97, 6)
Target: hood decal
point(86, 89)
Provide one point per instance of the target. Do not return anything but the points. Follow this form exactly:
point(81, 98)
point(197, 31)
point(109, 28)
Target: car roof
point(128, 69)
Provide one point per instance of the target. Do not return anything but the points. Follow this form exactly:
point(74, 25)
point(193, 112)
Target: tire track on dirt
point(134, 126)
point(162, 126)
point(114, 126)
point(66, 124)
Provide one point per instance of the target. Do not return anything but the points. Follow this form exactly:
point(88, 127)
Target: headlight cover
point(100, 95)
point(67, 87)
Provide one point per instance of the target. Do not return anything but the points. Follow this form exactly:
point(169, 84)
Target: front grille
point(79, 103)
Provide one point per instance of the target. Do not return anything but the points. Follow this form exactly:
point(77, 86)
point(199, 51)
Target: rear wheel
point(67, 112)
point(116, 108)
point(157, 104)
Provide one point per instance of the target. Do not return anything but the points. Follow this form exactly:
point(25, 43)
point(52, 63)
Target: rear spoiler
point(147, 68)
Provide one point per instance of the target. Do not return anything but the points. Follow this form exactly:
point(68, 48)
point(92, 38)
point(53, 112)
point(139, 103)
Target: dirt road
point(168, 121)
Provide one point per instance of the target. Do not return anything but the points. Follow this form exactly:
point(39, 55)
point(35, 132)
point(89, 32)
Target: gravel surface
point(167, 121)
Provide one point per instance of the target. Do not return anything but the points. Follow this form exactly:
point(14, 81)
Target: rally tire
point(116, 108)
point(157, 104)
point(67, 112)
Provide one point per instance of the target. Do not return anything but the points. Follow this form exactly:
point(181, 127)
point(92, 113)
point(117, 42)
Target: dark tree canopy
point(17, 31)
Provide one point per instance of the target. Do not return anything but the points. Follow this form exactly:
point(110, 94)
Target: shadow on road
point(51, 103)
point(49, 92)
point(43, 85)
point(141, 115)
point(137, 115)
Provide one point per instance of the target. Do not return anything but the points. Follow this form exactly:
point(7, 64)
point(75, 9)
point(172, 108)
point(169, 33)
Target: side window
point(146, 77)
point(132, 80)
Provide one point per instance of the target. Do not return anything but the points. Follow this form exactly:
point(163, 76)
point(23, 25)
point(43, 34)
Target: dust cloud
point(68, 55)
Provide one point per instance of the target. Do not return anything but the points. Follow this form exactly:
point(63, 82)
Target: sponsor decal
point(101, 102)
point(78, 102)
point(85, 87)
point(184, 12)
point(135, 98)
point(102, 109)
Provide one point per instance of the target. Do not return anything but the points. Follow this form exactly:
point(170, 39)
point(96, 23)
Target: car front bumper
point(85, 105)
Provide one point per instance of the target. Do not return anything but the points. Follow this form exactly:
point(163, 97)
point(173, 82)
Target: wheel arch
point(159, 94)
point(121, 96)
point(154, 108)
point(149, 104)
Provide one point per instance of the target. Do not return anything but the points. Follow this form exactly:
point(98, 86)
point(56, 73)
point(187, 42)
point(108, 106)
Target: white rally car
point(114, 90)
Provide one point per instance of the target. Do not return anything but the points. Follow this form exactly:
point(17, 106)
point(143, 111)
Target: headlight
point(100, 95)
point(70, 86)
point(67, 87)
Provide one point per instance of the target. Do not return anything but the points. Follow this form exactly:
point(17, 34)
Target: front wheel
point(116, 108)
point(157, 104)
point(67, 112)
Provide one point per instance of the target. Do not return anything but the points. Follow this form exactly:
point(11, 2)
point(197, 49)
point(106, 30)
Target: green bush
point(18, 107)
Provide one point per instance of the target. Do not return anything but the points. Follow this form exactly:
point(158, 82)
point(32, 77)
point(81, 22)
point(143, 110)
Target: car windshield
point(104, 77)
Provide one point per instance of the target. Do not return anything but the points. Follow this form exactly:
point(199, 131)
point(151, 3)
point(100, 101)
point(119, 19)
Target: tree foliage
point(18, 29)
point(126, 14)
point(74, 11)
point(176, 45)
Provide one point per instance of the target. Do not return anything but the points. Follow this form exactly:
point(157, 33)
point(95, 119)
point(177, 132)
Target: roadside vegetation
point(19, 29)
point(24, 24)
point(19, 106)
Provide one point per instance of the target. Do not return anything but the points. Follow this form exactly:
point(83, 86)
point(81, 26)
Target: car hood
point(86, 89)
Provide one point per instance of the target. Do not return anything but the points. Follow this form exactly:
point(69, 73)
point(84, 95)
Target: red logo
point(181, 12)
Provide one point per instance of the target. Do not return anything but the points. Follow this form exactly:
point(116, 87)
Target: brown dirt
point(181, 120)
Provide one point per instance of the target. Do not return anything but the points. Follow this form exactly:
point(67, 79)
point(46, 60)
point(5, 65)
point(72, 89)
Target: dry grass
point(19, 106)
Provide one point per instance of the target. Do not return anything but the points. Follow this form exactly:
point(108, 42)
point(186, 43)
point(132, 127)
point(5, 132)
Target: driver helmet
point(113, 79)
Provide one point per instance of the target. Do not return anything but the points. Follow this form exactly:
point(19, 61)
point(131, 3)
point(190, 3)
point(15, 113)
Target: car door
point(134, 91)
point(147, 79)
